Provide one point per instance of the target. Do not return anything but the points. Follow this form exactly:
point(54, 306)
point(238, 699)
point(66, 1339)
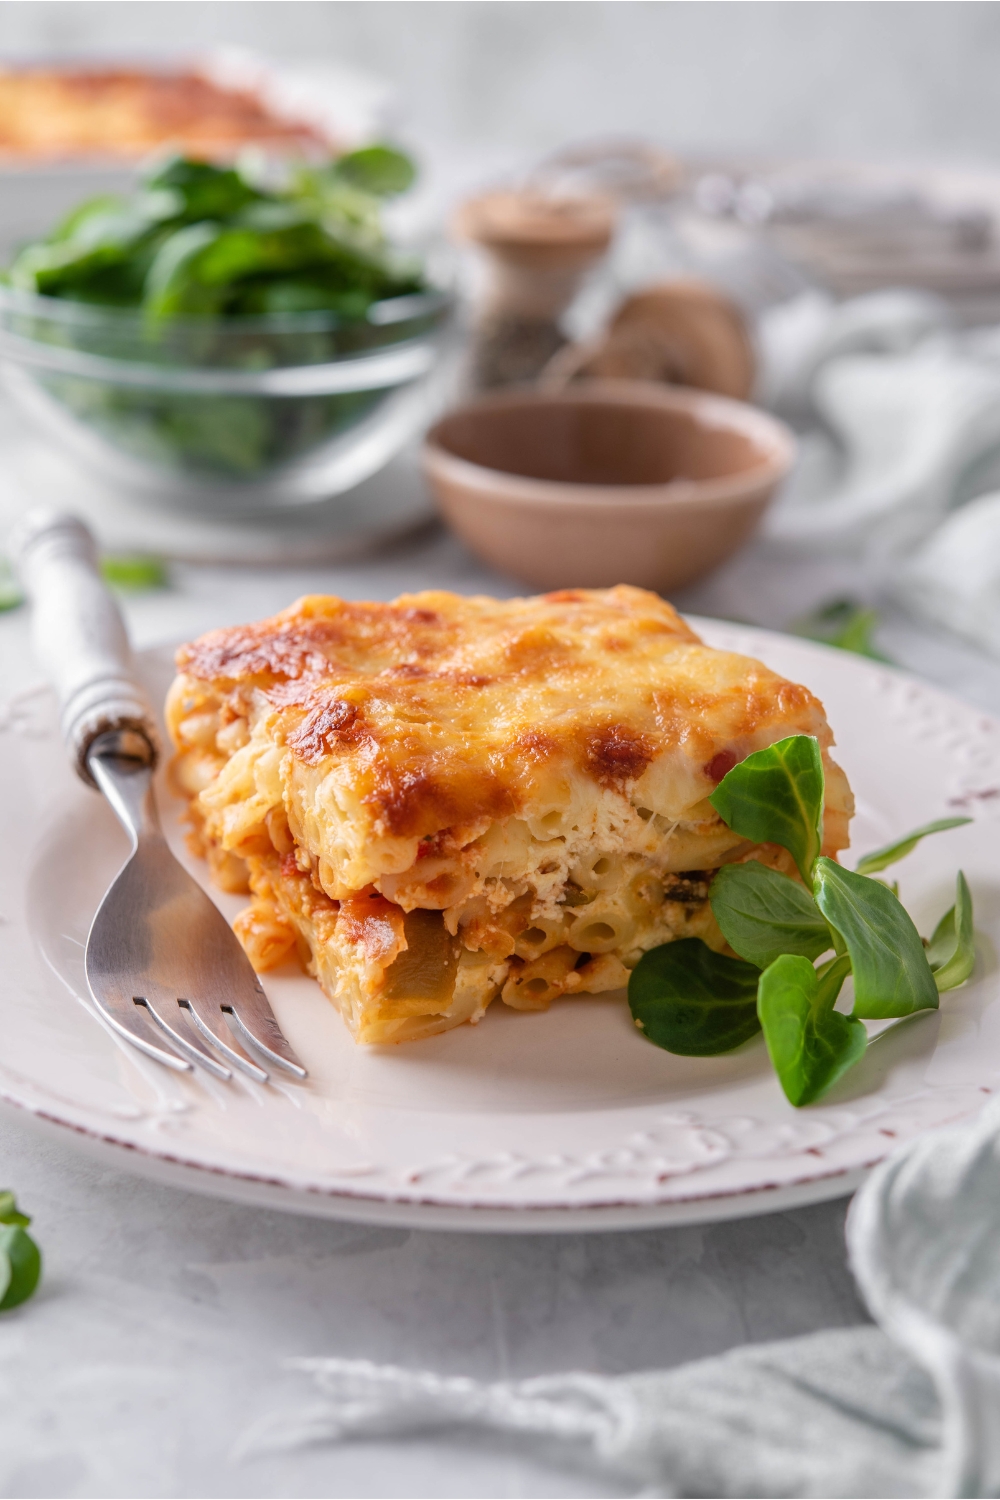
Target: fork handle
point(78, 635)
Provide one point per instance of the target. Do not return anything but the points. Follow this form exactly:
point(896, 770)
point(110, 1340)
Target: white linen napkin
point(905, 1408)
point(905, 404)
point(899, 418)
point(953, 578)
point(907, 427)
point(839, 1413)
point(797, 338)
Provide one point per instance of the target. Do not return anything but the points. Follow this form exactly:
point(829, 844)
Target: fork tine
point(190, 1047)
point(237, 1059)
point(134, 1035)
point(254, 1021)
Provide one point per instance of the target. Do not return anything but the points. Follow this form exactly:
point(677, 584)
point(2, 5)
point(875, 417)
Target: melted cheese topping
point(536, 771)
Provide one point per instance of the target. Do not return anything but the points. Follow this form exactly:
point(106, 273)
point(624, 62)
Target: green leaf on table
point(20, 1266)
point(134, 573)
point(11, 593)
point(763, 914)
point(775, 796)
point(809, 1043)
point(880, 858)
point(20, 1258)
point(380, 170)
point(845, 624)
point(688, 999)
point(951, 952)
point(892, 976)
point(9, 1211)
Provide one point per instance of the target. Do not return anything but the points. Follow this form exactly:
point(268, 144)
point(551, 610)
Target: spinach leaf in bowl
point(198, 240)
point(204, 267)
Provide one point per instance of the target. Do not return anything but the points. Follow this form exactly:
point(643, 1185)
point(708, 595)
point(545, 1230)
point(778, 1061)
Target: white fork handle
point(78, 634)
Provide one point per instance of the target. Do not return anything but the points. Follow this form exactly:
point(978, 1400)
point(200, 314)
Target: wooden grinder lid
point(530, 228)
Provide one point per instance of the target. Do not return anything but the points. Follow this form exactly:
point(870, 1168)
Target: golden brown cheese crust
point(447, 708)
point(515, 790)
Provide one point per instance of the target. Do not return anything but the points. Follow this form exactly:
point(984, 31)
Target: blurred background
point(793, 208)
point(511, 79)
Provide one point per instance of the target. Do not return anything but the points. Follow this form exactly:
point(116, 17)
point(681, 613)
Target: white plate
point(565, 1120)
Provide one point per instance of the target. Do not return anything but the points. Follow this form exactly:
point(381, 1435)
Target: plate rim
point(381, 1205)
point(247, 1188)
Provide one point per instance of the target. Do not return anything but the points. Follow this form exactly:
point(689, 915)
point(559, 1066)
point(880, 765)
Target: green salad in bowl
point(212, 337)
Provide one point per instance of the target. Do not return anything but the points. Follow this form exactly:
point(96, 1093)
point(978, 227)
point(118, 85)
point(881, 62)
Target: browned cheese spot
point(616, 754)
point(536, 744)
point(413, 802)
point(295, 649)
point(328, 725)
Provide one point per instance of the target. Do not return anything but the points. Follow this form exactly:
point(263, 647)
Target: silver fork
point(163, 965)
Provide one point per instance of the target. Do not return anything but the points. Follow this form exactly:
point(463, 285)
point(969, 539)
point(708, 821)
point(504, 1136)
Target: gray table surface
point(160, 1332)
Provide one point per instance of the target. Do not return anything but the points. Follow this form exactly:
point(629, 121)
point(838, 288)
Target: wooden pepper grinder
point(681, 332)
point(538, 249)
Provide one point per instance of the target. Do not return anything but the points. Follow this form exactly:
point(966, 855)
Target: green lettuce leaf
point(763, 914)
point(952, 953)
point(810, 1044)
point(20, 1258)
point(891, 974)
point(845, 624)
point(880, 858)
point(776, 796)
point(693, 1001)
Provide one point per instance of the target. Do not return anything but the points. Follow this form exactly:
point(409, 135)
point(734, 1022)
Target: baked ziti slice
point(439, 800)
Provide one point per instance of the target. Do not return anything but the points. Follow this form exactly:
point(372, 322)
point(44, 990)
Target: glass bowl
point(236, 417)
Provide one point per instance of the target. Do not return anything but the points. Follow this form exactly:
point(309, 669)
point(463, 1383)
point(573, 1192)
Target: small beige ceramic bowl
point(606, 482)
